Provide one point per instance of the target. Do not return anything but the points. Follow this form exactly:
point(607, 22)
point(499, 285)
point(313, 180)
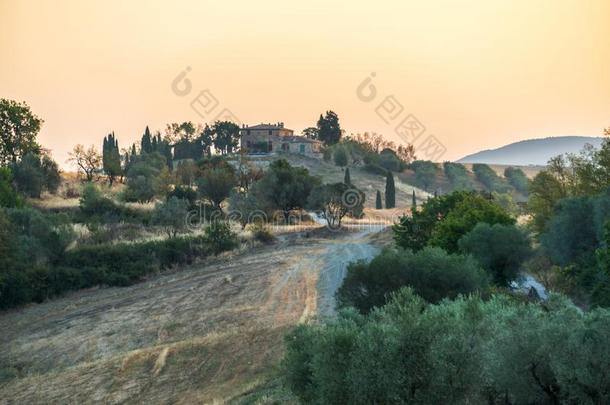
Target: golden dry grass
point(207, 333)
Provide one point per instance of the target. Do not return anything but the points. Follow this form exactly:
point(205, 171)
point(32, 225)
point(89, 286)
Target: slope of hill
point(532, 151)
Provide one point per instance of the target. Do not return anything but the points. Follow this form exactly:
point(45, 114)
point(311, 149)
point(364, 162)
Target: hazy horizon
point(476, 75)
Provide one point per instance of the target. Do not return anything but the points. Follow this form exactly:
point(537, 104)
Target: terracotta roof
point(266, 126)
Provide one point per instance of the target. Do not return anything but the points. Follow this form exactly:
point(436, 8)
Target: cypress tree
point(146, 142)
point(414, 202)
point(390, 192)
point(347, 179)
point(378, 201)
point(111, 157)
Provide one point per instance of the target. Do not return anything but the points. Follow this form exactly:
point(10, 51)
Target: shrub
point(340, 156)
point(500, 249)
point(390, 162)
point(425, 173)
point(463, 218)
point(489, 178)
point(8, 196)
point(220, 236)
point(517, 179)
point(375, 169)
point(458, 176)
point(93, 204)
point(455, 352)
point(183, 193)
point(262, 233)
point(432, 273)
point(171, 215)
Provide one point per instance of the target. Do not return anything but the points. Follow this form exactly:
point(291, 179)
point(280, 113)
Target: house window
point(301, 148)
point(248, 132)
point(270, 146)
point(270, 132)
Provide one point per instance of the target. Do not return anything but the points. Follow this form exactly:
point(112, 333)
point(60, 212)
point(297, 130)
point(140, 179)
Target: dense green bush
point(220, 237)
point(500, 249)
point(340, 156)
point(432, 273)
point(463, 351)
point(106, 264)
point(374, 168)
point(458, 176)
point(8, 195)
point(425, 173)
point(489, 178)
point(443, 220)
point(466, 214)
point(517, 179)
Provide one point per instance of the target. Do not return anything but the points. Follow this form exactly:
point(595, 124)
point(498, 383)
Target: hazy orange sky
point(477, 74)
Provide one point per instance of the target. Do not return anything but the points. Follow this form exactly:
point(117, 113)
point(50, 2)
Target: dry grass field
point(204, 334)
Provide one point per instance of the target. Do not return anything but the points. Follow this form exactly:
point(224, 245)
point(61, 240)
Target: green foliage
point(93, 204)
point(142, 177)
point(500, 249)
point(378, 204)
point(33, 175)
point(458, 176)
point(284, 187)
point(432, 273)
point(570, 234)
point(220, 237)
point(375, 169)
point(111, 157)
point(517, 179)
point(462, 351)
point(108, 264)
point(340, 156)
point(329, 130)
point(41, 238)
point(245, 208)
point(489, 178)
point(464, 217)
point(390, 191)
point(226, 136)
point(185, 193)
point(389, 161)
point(425, 173)
point(8, 195)
point(443, 220)
point(216, 183)
point(335, 201)
point(261, 233)
point(171, 215)
point(18, 130)
point(545, 191)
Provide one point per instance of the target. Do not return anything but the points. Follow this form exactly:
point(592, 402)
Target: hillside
point(532, 151)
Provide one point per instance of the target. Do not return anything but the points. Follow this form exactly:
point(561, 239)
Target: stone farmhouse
point(272, 138)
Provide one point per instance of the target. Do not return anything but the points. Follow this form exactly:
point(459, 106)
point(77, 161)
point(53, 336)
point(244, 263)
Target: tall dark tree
point(146, 141)
point(111, 158)
point(226, 136)
point(347, 178)
point(413, 201)
point(378, 204)
point(390, 191)
point(18, 130)
point(329, 130)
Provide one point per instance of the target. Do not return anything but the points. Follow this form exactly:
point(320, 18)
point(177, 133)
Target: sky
point(472, 75)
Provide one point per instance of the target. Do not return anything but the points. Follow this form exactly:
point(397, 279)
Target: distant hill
point(532, 151)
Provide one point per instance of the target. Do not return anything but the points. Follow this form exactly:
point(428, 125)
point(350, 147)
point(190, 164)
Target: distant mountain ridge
point(532, 151)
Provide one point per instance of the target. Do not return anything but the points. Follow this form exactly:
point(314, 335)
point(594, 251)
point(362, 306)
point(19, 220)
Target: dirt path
point(205, 333)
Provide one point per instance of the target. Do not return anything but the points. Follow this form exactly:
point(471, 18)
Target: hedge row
point(106, 265)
